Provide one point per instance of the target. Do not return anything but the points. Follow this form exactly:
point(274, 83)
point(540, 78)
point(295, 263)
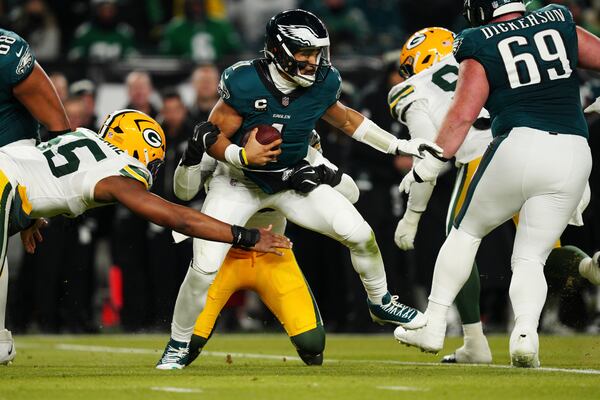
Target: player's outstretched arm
point(589, 49)
point(133, 195)
point(229, 121)
point(38, 95)
point(472, 90)
point(360, 128)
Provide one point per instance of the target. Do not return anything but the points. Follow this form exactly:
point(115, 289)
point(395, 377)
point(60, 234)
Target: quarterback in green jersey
point(520, 66)
point(290, 89)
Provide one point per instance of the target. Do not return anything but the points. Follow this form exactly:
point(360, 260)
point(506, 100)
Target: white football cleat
point(7, 347)
point(429, 338)
point(476, 352)
point(524, 348)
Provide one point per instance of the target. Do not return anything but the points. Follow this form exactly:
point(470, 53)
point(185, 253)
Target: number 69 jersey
point(59, 176)
point(530, 65)
point(422, 101)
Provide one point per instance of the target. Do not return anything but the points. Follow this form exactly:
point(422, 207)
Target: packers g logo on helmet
point(424, 49)
point(138, 135)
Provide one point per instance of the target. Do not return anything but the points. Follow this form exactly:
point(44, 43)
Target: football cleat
point(175, 356)
point(429, 338)
point(472, 354)
point(524, 349)
point(392, 312)
point(7, 347)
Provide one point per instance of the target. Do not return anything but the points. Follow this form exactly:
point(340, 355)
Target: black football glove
point(329, 176)
point(205, 135)
point(304, 178)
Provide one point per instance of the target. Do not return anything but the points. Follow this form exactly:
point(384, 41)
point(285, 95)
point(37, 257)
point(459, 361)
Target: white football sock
point(190, 302)
point(527, 292)
point(473, 331)
point(366, 260)
point(3, 294)
point(453, 266)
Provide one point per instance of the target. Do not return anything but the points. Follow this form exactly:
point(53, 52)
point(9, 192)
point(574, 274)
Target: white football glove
point(407, 230)
point(594, 107)
point(426, 170)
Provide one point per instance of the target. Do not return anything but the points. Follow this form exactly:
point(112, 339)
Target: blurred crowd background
point(111, 271)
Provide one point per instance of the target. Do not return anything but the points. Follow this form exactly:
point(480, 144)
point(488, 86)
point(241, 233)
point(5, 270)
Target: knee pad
point(208, 257)
point(310, 345)
point(352, 228)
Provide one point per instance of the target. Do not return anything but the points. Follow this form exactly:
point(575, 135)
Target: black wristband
point(243, 237)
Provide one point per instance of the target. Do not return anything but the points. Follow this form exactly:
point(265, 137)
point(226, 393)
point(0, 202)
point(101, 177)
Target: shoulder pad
point(139, 173)
point(400, 96)
point(18, 61)
point(236, 80)
point(334, 81)
point(465, 44)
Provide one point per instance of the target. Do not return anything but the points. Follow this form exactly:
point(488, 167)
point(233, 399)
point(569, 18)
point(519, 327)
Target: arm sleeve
point(420, 126)
point(188, 180)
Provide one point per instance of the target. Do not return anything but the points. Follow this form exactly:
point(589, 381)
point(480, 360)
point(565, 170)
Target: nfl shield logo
point(285, 101)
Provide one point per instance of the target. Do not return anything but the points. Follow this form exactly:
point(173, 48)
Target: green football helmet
point(481, 12)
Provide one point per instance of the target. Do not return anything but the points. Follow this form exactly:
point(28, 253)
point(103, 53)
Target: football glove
point(426, 170)
point(417, 147)
point(407, 230)
point(205, 135)
point(594, 107)
point(329, 176)
point(304, 178)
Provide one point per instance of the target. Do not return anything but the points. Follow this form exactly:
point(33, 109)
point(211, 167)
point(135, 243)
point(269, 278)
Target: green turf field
point(264, 367)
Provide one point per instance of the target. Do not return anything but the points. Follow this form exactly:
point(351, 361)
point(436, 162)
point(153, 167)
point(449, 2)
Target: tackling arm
point(133, 195)
point(38, 95)
point(472, 90)
point(589, 50)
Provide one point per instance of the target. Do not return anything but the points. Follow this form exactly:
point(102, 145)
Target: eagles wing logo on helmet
point(303, 34)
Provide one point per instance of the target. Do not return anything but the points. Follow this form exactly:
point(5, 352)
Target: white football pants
point(232, 198)
point(542, 177)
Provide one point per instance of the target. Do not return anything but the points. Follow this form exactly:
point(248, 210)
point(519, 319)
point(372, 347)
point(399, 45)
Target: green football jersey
point(530, 64)
point(248, 88)
point(16, 63)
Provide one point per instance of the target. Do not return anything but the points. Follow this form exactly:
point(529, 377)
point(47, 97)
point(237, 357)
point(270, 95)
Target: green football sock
point(310, 345)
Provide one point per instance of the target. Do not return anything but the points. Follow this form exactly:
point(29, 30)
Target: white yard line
point(173, 389)
point(134, 350)
point(403, 388)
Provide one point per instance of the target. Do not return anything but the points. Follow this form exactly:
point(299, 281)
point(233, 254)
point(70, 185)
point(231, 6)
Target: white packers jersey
point(432, 90)
point(59, 176)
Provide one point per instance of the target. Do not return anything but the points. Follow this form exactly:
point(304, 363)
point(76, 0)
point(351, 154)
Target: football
point(266, 134)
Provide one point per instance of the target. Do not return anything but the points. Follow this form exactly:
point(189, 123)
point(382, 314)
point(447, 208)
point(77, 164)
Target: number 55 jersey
point(59, 176)
point(530, 64)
